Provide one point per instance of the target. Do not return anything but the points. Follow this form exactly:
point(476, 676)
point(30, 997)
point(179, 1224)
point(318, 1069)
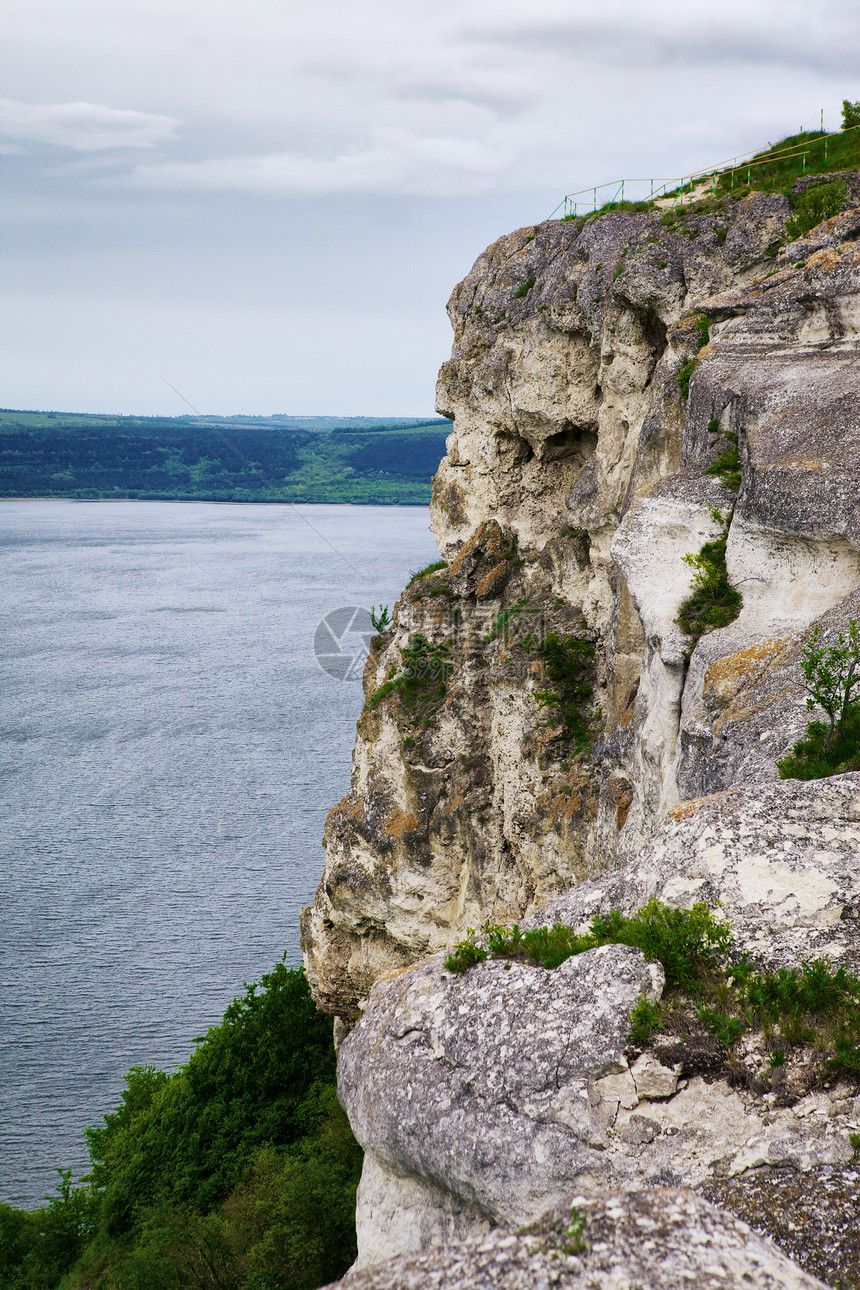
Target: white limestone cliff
point(576, 479)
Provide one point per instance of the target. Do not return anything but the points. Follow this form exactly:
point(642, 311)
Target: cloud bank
point(84, 127)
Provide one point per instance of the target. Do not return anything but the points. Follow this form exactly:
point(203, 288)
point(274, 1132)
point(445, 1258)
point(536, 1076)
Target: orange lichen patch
point(724, 679)
point(566, 805)
point(790, 463)
point(487, 541)
point(686, 810)
point(568, 798)
point(493, 581)
point(686, 326)
point(396, 972)
point(623, 794)
point(352, 810)
point(829, 257)
point(623, 810)
point(452, 804)
point(398, 823)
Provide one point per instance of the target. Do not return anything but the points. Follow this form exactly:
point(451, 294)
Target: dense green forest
point(219, 459)
point(236, 1172)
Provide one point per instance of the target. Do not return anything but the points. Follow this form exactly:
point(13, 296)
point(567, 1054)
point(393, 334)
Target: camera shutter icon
point(342, 642)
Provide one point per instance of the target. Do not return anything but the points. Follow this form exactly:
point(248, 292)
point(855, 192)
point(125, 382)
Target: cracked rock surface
point(628, 1240)
point(486, 1085)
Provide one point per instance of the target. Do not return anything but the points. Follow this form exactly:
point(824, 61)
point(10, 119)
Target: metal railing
point(690, 186)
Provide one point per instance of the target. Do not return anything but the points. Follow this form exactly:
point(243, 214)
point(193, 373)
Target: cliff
point(630, 394)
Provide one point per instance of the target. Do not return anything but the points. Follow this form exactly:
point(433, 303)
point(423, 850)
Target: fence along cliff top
point(816, 151)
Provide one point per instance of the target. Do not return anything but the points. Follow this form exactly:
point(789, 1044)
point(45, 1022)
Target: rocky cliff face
point(539, 731)
point(576, 479)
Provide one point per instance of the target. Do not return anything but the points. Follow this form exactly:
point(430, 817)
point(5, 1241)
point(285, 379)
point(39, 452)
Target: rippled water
point(170, 748)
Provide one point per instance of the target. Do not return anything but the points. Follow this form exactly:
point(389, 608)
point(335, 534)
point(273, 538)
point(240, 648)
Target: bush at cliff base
point(237, 1171)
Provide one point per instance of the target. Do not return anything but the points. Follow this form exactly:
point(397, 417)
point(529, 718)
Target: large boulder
point(619, 1240)
point(486, 1086)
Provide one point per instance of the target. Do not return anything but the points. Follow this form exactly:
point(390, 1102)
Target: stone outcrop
point(618, 1240)
point(487, 1098)
point(488, 1085)
point(780, 859)
point(543, 740)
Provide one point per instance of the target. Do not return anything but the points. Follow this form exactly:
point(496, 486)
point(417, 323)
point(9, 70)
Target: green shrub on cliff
point(421, 684)
point(713, 602)
point(239, 1170)
point(818, 202)
point(568, 661)
point(727, 466)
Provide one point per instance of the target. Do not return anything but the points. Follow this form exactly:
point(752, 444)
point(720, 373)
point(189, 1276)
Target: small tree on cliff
point(850, 114)
point(832, 673)
point(832, 682)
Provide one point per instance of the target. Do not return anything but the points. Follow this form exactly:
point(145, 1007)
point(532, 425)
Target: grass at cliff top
point(219, 459)
point(237, 1172)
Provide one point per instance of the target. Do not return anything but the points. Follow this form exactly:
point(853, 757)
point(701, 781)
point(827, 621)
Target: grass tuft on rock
point(688, 942)
point(726, 467)
point(422, 683)
point(818, 202)
point(568, 661)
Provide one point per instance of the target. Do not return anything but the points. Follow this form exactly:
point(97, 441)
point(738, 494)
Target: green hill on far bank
point(220, 459)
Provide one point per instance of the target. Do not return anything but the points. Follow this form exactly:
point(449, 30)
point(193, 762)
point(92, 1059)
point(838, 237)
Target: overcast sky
point(268, 202)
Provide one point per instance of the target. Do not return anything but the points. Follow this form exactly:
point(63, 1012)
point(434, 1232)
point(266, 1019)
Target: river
point(170, 748)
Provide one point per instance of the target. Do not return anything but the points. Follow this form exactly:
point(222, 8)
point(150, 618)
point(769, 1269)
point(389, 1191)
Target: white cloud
point(84, 127)
point(392, 97)
point(394, 161)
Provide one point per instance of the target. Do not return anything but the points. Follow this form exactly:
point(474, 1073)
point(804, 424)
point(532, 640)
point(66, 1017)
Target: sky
point(266, 203)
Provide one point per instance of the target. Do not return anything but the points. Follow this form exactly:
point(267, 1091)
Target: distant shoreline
point(204, 501)
point(75, 458)
point(208, 501)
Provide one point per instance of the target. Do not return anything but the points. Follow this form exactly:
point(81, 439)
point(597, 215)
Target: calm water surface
point(170, 748)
